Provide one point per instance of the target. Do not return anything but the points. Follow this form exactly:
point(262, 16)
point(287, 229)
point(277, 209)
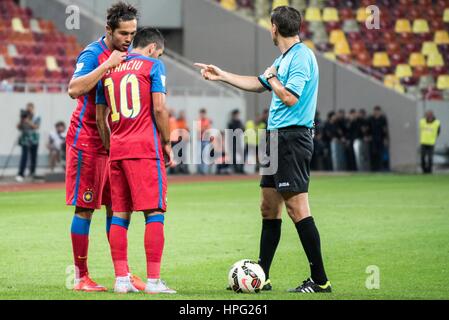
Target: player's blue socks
point(156, 218)
point(80, 226)
point(120, 222)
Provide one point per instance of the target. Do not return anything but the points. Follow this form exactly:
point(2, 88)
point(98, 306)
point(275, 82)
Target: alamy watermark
point(373, 280)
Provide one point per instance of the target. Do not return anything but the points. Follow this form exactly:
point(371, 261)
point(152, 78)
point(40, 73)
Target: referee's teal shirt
point(298, 72)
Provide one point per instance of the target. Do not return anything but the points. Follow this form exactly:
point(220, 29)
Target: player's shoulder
point(95, 48)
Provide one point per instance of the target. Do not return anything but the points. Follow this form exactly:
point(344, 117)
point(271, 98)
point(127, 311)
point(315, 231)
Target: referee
point(293, 80)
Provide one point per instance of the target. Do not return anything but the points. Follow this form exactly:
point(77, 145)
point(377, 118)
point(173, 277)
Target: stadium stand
point(408, 53)
point(36, 52)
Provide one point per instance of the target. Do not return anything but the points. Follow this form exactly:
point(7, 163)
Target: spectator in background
point(220, 156)
point(351, 136)
point(56, 145)
point(183, 139)
point(319, 151)
point(237, 148)
point(29, 140)
point(429, 130)
point(204, 124)
point(173, 126)
point(7, 85)
point(329, 133)
point(379, 138)
point(366, 141)
point(342, 128)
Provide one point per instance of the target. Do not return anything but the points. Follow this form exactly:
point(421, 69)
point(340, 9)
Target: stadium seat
point(279, 3)
point(342, 48)
point(446, 15)
point(313, 14)
point(337, 36)
point(12, 51)
point(417, 60)
point(390, 81)
point(445, 95)
point(381, 59)
point(330, 56)
point(310, 44)
point(51, 63)
point(330, 15)
point(429, 47)
point(443, 82)
point(403, 70)
point(435, 60)
point(426, 82)
point(17, 25)
point(320, 37)
point(415, 92)
point(265, 23)
point(3, 64)
point(317, 3)
point(441, 37)
point(350, 25)
point(362, 15)
point(420, 26)
point(229, 4)
point(299, 5)
point(402, 26)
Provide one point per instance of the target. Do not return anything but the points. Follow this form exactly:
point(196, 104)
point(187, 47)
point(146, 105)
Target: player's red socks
point(80, 244)
point(154, 244)
point(118, 240)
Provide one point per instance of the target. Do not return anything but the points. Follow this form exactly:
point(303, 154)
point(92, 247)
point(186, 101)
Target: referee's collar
point(288, 50)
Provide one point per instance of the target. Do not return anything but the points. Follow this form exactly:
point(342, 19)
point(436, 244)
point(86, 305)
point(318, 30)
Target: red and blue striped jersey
point(82, 133)
point(127, 90)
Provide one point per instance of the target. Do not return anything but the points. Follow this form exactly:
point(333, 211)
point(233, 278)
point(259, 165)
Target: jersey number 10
point(125, 110)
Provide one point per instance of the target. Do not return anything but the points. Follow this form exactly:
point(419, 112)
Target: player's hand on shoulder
point(210, 72)
point(115, 58)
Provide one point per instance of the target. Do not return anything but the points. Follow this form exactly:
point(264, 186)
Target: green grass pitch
point(398, 223)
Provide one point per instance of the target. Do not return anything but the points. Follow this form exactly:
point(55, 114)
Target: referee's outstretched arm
point(249, 83)
point(214, 73)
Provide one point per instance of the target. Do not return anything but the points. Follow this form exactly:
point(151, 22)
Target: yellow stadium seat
point(337, 36)
point(265, 23)
point(313, 14)
point(362, 15)
point(229, 4)
point(403, 70)
point(435, 60)
point(420, 26)
point(417, 60)
point(381, 59)
point(390, 80)
point(342, 48)
point(309, 44)
point(52, 64)
point(399, 88)
point(441, 37)
point(330, 15)
point(429, 47)
point(446, 15)
point(403, 26)
point(443, 82)
point(299, 5)
point(279, 3)
point(17, 25)
point(330, 56)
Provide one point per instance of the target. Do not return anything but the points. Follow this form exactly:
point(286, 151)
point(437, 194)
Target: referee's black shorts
point(295, 149)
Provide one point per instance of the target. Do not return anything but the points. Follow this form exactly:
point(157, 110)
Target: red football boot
point(88, 285)
point(137, 282)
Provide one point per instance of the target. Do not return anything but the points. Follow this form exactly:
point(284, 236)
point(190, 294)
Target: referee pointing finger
point(293, 81)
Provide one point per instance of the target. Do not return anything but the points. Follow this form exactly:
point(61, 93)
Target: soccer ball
point(246, 276)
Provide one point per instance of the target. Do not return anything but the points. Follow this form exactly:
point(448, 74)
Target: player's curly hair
point(121, 11)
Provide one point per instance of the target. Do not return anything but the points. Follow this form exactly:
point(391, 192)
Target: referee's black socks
point(269, 240)
point(310, 239)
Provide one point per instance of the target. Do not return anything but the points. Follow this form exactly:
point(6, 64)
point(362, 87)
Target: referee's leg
point(298, 209)
point(271, 210)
